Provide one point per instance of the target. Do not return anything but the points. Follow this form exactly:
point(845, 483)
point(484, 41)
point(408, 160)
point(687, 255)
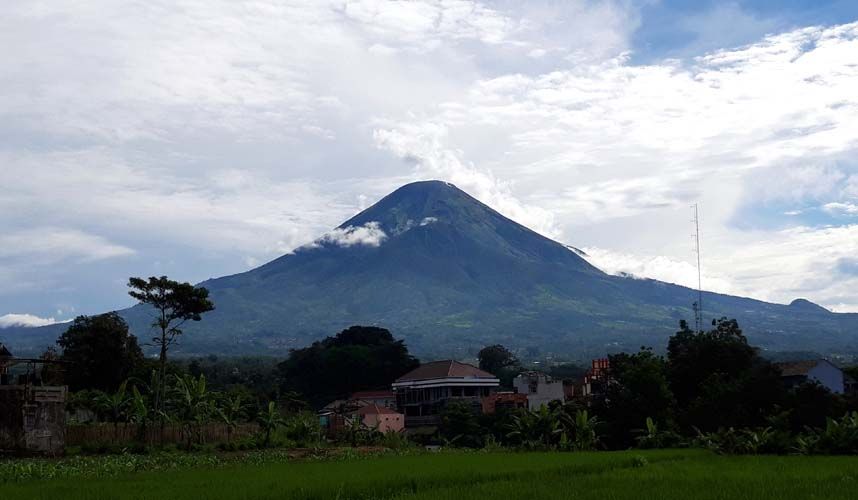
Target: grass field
point(667, 474)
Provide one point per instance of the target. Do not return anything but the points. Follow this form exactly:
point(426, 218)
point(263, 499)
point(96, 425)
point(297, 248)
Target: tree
point(358, 358)
point(496, 358)
point(719, 380)
point(637, 389)
point(269, 420)
point(175, 304)
point(460, 426)
point(99, 351)
point(193, 405)
point(114, 404)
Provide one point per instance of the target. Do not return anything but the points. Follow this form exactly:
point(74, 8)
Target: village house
point(539, 388)
point(381, 418)
point(821, 371)
point(503, 401)
point(594, 381)
point(422, 393)
point(339, 414)
point(32, 415)
point(386, 399)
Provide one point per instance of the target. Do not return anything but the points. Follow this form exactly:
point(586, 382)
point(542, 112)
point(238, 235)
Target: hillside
point(449, 274)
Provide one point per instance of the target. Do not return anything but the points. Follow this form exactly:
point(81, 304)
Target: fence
point(106, 433)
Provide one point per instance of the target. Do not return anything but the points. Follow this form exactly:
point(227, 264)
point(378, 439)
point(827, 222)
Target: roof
point(798, 368)
point(445, 369)
point(374, 409)
point(372, 395)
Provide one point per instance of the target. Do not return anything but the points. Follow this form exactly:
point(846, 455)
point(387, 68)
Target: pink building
point(381, 418)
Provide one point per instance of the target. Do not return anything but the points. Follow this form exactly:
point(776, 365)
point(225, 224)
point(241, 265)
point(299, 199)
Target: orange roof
point(372, 395)
point(377, 410)
point(444, 369)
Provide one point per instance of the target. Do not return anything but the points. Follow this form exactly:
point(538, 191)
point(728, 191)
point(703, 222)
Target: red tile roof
point(376, 410)
point(372, 395)
point(444, 369)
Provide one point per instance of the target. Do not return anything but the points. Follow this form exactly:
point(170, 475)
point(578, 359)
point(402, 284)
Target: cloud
point(369, 234)
point(52, 244)
point(27, 320)
point(198, 141)
point(841, 208)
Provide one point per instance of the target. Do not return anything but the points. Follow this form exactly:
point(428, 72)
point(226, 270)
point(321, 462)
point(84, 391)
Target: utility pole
point(698, 306)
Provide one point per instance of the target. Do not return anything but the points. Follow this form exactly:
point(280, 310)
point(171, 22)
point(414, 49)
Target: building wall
point(540, 390)
point(828, 375)
point(385, 422)
point(32, 419)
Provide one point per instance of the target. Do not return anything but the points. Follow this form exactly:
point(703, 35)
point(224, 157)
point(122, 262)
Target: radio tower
point(698, 306)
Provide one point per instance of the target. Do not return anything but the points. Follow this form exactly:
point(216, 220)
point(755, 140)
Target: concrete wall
point(385, 422)
point(32, 419)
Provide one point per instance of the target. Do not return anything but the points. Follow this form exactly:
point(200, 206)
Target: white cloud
point(219, 134)
point(369, 234)
point(841, 208)
point(28, 320)
point(53, 244)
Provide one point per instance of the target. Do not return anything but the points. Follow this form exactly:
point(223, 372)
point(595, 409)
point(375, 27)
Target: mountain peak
point(807, 306)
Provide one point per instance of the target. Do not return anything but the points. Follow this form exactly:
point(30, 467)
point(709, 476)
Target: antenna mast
point(698, 306)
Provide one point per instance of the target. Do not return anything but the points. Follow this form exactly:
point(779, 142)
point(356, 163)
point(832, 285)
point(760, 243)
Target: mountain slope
point(450, 275)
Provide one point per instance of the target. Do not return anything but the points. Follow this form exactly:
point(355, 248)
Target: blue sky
point(204, 137)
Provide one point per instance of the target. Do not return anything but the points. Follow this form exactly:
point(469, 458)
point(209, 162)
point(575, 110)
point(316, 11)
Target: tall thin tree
point(175, 304)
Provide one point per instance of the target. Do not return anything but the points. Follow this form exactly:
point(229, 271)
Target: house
point(381, 418)
point(422, 393)
point(594, 381)
point(540, 389)
point(821, 371)
point(32, 415)
point(380, 398)
point(503, 401)
point(338, 415)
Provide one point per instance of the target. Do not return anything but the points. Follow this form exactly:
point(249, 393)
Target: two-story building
point(539, 388)
point(422, 393)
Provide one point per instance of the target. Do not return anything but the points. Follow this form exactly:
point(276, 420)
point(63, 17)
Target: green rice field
point(662, 474)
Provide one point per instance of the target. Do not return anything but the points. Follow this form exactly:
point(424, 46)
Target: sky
point(200, 138)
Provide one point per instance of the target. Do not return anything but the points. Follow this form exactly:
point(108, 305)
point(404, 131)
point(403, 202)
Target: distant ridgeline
point(450, 275)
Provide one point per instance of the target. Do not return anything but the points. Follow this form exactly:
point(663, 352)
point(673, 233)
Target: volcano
point(450, 275)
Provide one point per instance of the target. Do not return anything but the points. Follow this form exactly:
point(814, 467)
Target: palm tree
point(230, 412)
point(536, 429)
point(270, 420)
point(584, 428)
point(193, 402)
point(113, 404)
point(138, 412)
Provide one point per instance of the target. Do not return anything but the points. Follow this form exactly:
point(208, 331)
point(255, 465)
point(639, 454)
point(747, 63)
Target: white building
point(820, 371)
point(540, 389)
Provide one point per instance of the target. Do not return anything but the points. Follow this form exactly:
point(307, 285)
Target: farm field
point(662, 474)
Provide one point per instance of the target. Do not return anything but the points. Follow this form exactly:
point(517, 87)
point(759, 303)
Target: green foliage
point(355, 359)
point(270, 420)
point(99, 351)
point(719, 380)
point(637, 386)
point(174, 304)
point(497, 360)
point(460, 425)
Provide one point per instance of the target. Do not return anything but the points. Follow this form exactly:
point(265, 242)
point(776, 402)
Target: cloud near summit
point(195, 139)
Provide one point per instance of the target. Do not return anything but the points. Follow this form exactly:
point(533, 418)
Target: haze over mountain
point(450, 275)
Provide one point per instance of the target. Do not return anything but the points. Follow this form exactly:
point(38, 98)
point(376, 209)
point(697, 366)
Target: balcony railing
point(422, 421)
